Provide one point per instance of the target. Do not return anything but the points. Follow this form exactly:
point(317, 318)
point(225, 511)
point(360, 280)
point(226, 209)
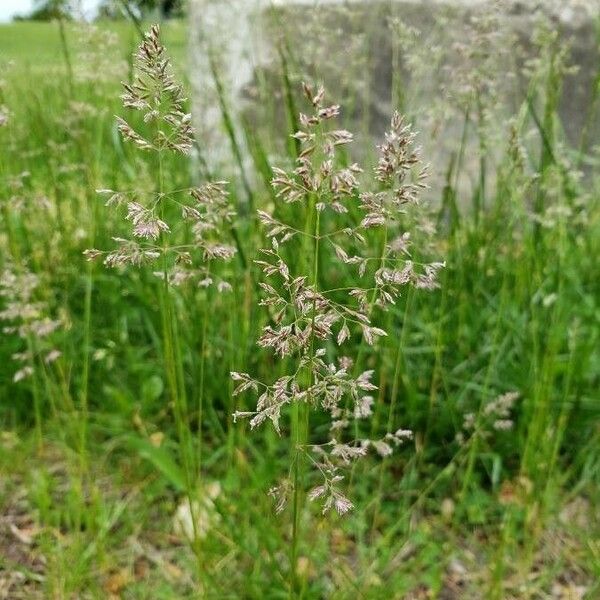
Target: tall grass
point(131, 427)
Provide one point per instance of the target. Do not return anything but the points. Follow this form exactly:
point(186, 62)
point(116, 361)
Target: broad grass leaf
point(161, 458)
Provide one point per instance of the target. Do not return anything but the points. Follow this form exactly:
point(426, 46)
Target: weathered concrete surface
point(373, 55)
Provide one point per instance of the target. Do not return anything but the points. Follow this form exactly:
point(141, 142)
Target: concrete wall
point(358, 49)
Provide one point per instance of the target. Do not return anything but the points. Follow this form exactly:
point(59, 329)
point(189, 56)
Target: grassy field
point(36, 46)
point(123, 472)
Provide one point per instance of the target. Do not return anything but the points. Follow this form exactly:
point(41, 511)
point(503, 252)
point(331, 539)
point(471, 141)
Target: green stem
point(36, 394)
point(87, 337)
point(301, 419)
point(201, 382)
point(393, 402)
point(175, 381)
point(66, 53)
point(481, 191)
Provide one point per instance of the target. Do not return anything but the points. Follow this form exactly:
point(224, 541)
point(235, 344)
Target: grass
point(38, 45)
point(91, 474)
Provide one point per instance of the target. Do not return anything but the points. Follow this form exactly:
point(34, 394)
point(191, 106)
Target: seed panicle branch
point(205, 210)
point(28, 317)
point(305, 318)
point(156, 94)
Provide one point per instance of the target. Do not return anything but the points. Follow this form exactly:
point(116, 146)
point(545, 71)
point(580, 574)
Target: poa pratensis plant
point(307, 316)
point(27, 315)
point(201, 210)
point(29, 319)
point(4, 116)
point(205, 209)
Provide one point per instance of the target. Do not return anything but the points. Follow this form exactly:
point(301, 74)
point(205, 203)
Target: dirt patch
point(21, 564)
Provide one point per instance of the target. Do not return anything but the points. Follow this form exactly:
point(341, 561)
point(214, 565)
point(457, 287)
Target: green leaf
point(152, 389)
point(161, 459)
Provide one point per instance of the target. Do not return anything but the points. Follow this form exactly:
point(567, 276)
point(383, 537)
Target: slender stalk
point(201, 382)
point(87, 340)
point(302, 415)
point(66, 52)
point(296, 442)
point(290, 104)
point(230, 129)
point(481, 190)
point(85, 372)
point(393, 401)
point(174, 374)
point(37, 402)
point(132, 17)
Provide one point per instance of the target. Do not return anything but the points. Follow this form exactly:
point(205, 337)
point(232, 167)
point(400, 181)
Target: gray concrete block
point(373, 56)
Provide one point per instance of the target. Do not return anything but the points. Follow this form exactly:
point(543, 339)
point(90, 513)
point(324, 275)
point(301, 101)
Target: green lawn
point(38, 46)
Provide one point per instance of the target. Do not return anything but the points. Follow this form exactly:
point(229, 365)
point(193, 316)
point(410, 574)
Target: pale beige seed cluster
point(306, 314)
point(205, 211)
